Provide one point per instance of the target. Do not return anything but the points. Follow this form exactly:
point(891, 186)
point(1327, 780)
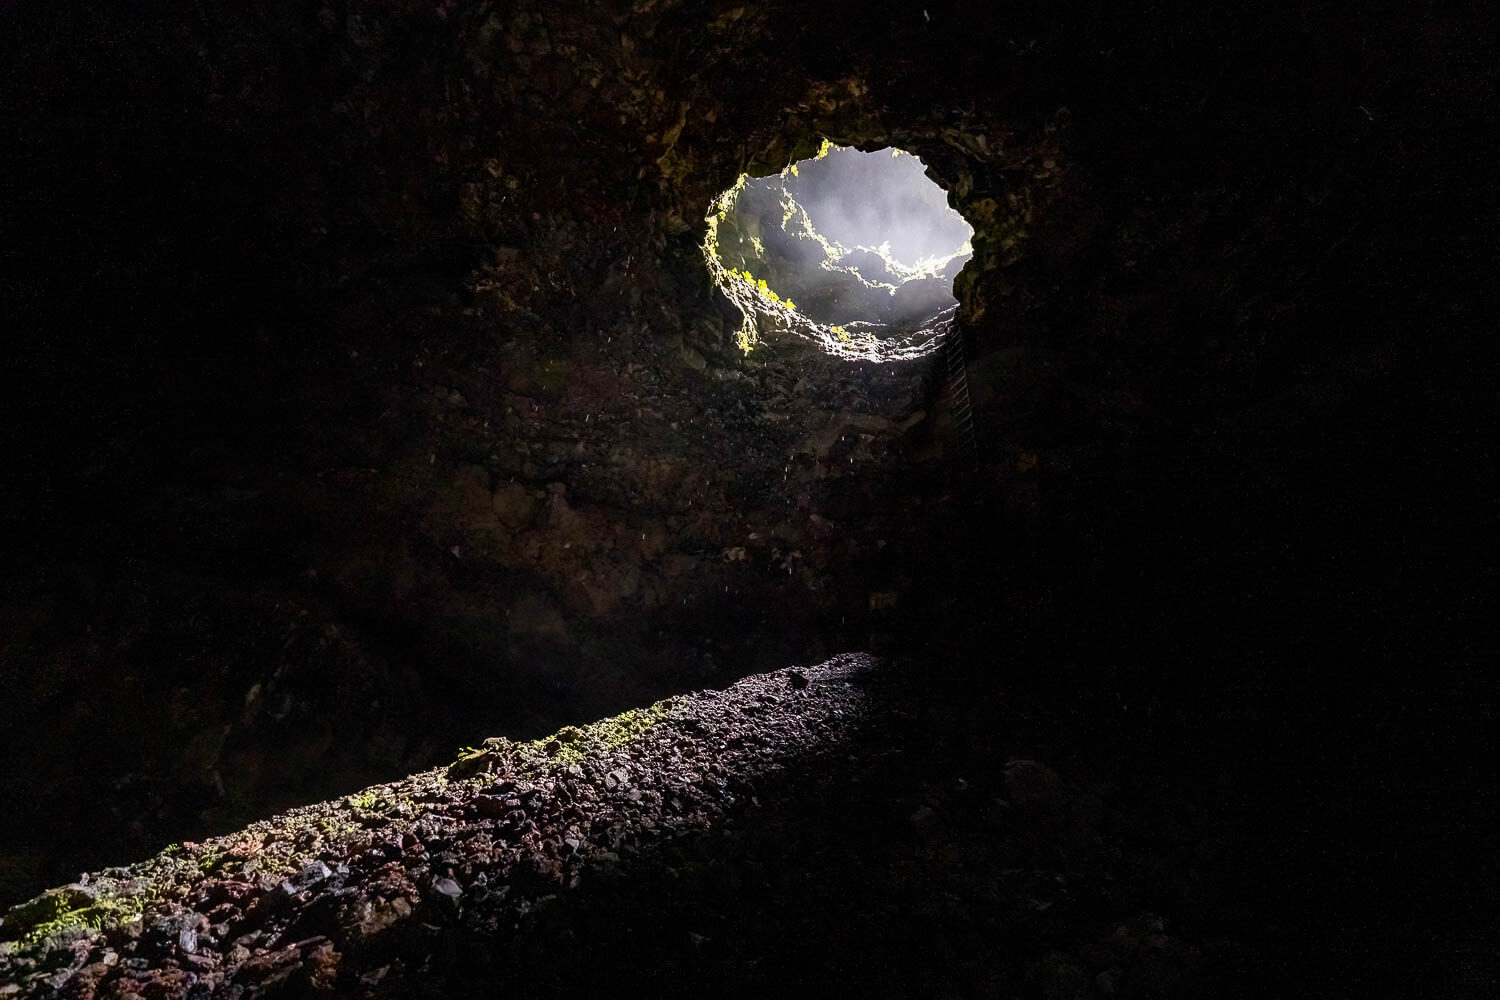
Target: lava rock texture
point(732, 841)
point(365, 391)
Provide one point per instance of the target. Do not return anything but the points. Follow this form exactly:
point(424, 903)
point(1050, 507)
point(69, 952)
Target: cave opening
point(855, 250)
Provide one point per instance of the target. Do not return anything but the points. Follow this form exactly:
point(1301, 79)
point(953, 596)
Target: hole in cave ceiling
point(856, 251)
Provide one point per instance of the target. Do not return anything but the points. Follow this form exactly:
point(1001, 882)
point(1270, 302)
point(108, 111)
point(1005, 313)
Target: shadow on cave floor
point(977, 839)
point(1270, 689)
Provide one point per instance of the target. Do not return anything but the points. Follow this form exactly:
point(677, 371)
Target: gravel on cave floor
point(823, 828)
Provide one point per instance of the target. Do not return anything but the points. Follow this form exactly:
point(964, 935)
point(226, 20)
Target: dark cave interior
point(366, 395)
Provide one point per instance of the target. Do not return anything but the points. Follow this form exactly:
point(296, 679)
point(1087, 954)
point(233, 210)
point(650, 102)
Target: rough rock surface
point(788, 832)
point(365, 392)
point(367, 351)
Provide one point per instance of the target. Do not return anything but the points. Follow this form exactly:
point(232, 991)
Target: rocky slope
point(797, 830)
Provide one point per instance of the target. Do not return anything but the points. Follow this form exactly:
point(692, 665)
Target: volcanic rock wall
point(373, 394)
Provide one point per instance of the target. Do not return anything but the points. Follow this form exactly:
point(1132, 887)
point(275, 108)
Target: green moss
point(568, 745)
point(212, 858)
point(627, 726)
point(31, 926)
point(571, 744)
point(366, 800)
point(474, 761)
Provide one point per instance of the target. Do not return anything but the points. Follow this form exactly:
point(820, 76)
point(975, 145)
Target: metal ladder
point(956, 389)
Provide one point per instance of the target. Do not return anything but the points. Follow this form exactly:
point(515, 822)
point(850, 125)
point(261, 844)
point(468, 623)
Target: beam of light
point(854, 251)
